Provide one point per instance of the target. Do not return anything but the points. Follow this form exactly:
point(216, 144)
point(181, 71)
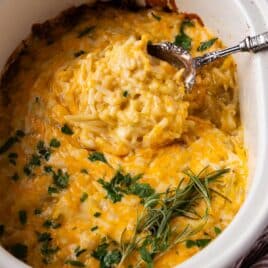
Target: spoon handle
point(254, 44)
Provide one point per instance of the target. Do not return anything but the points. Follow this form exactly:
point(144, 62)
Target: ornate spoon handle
point(254, 43)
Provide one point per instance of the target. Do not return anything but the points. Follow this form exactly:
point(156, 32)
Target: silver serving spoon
point(181, 58)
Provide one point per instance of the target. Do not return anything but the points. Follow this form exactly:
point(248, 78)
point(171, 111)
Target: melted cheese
point(154, 129)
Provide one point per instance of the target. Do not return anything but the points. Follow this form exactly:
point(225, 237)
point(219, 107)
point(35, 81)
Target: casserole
point(251, 139)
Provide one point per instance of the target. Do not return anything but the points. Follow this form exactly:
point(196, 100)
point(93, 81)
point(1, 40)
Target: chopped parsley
point(15, 176)
point(97, 214)
point(79, 53)
point(35, 160)
point(78, 251)
point(146, 256)
point(67, 130)
point(182, 39)
point(125, 93)
point(61, 179)
point(97, 156)
point(201, 243)
point(37, 211)
point(54, 143)
point(217, 230)
point(12, 158)
point(75, 263)
point(86, 31)
point(48, 169)
point(84, 171)
point(2, 229)
point(84, 197)
point(207, 44)
point(142, 190)
point(22, 217)
point(43, 150)
point(54, 224)
point(47, 250)
point(11, 141)
point(94, 228)
point(44, 237)
point(156, 16)
point(125, 184)
point(52, 190)
point(27, 170)
point(106, 257)
point(113, 192)
point(19, 250)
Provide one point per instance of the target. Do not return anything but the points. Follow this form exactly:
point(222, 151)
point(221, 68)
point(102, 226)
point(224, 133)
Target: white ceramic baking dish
point(231, 20)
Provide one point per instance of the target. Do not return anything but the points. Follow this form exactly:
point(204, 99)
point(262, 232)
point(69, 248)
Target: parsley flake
point(54, 143)
point(182, 39)
point(97, 156)
point(67, 130)
point(84, 197)
point(22, 217)
point(86, 31)
point(207, 44)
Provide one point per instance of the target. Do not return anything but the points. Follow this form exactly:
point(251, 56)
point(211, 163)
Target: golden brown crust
point(49, 31)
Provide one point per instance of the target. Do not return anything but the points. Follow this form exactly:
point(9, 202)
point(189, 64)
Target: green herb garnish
point(97, 156)
point(75, 263)
point(54, 224)
point(84, 197)
point(20, 251)
point(43, 151)
point(146, 256)
point(156, 16)
point(153, 235)
point(125, 93)
point(22, 217)
point(11, 141)
point(78, 251)
point(84, 171)
point(201, 243)
point(67, 130)
point(12, 158)
point(54, 143)
point(97, 214)
point(48, 169)
point(47, 250)
point(52, 190)
point(15, 177)
point(94, 228)
point(182, 39)
point(217, 230)
point(61, 179)
point(44, 237)
point(108, 258)
point(86, 31)
point(35, 160)
point(37, 211)
point(125, 184)
point(207, 44)
point(27, 170)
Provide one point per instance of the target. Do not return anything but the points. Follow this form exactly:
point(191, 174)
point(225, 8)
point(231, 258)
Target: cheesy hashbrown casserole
point(105, 160)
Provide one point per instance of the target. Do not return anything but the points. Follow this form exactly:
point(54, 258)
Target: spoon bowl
point(180, 58)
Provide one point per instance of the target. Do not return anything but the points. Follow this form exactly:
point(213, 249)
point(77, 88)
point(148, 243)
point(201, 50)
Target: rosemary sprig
point(154, 234)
